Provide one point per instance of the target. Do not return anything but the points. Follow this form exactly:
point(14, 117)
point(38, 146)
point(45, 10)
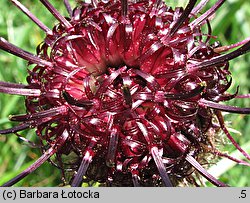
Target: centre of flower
point(125, 87)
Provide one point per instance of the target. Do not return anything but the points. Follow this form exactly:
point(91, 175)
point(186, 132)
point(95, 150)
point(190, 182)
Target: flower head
point(132, 88)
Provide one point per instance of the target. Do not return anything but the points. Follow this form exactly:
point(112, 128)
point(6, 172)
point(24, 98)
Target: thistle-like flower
point(132, 88)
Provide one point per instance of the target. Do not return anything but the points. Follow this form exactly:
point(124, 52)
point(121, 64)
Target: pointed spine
point(183, 17)
point(6, 46)
point(203, 172)
point(20, 91)
point(124, 7)
point(56, 14)
point(68, 7)
point(161, 168)
point(222, 107)
point(86, 160)
point(31, 16)
point(207, 14)
point(222, 124)
point(222, 58)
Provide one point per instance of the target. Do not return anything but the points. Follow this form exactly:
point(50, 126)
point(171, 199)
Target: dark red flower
point(132, 88)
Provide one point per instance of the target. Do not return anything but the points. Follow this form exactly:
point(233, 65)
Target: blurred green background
point(231, 24)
